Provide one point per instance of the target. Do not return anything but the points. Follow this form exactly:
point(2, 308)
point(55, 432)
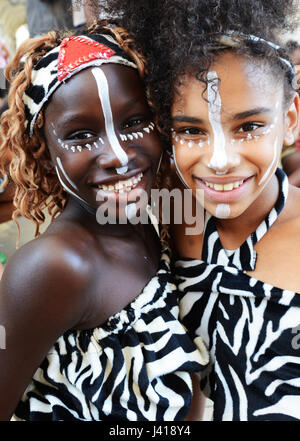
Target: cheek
point(73, 163)
point(263, 153)
point(184, 156)
point(152, 148)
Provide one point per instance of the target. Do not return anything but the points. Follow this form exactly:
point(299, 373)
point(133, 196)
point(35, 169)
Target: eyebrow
point(186, 118)
point(74, 117)
point(251, 112)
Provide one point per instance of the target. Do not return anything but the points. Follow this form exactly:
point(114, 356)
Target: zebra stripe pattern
point(135, 367)
point(248, 326)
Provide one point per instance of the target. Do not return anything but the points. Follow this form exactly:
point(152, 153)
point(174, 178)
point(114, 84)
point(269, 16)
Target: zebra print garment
point(248, 326)
point(135, 367)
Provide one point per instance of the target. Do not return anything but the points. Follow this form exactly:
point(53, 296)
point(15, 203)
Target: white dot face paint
point(103, 91)
point(219, 158)
point(136, 135)
point(222, 211)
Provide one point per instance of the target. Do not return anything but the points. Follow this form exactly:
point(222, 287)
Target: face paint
point(64, 173)
point(219, 157)
point(223, 211)
point(68, 190)
point(177, 168)
point(136, 135)
point(272, 163)
point(103, 91)
point(131, 210)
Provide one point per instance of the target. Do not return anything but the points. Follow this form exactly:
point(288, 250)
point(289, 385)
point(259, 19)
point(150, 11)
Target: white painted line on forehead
point(103, 91)
point(272, 163)
point(219, 158)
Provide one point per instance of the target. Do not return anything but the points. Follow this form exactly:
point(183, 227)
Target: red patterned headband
point(70, 57)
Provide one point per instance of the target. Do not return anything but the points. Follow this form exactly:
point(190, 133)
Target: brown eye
point(80, 136)
point(249, 127)
point(133, 123)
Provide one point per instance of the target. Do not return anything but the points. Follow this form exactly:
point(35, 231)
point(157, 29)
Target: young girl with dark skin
point(225, 96)
point(90, 310)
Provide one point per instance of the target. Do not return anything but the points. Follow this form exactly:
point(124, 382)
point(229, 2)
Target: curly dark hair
point(176, 36)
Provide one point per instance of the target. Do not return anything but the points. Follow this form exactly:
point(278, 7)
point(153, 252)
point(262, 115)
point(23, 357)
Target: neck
point(233, 232)
point(86, 215)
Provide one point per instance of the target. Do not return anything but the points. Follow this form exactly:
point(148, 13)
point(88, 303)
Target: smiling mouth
point(225, 187)
point(122, 186)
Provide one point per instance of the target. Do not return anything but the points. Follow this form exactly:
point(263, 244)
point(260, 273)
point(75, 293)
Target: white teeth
point(135, 135)
point(122, 186)
point(140, 134)
point(226, 187)
point(88, 146)
point(130, 137)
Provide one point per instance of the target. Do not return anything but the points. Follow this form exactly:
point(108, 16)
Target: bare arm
point(198, 402)
point(40, 298)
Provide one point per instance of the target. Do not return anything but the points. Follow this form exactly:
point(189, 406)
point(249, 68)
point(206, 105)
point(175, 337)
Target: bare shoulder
point(279, 251)
point(51, 271)
point(42, 295)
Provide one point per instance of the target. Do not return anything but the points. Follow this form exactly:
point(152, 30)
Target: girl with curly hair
point(224, 93)
point(89, 308)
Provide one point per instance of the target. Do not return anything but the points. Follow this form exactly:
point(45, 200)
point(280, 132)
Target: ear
point(292, 121)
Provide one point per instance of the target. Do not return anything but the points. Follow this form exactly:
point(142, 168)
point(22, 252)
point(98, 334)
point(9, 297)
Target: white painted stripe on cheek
point(219, 157)
point(223, 211)
point(103, 91)
point(177, 168)
point(64, 173)
point(272, 163)
point(68, 190)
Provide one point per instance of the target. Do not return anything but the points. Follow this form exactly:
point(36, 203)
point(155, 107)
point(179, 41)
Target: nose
point(223, 155)
point(109, 158)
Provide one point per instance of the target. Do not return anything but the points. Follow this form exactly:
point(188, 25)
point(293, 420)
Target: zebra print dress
point(249, 327)
point(135, 367)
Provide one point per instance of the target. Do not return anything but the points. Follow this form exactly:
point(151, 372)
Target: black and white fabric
point(248, 326)
point(135, 367)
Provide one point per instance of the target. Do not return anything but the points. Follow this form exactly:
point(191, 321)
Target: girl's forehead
point(236, 78)
point(123, 82)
